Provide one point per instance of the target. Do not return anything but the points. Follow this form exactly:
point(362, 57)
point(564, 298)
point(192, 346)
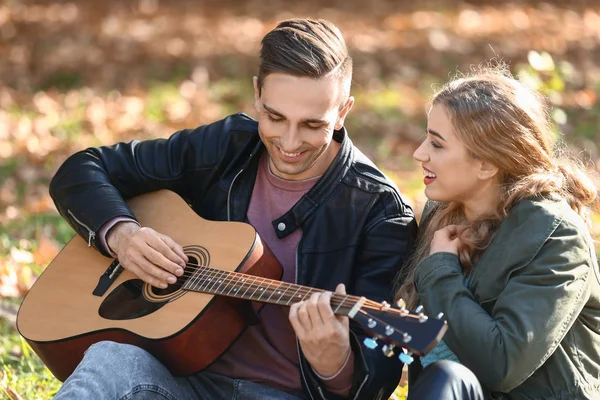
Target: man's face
point(296, 120)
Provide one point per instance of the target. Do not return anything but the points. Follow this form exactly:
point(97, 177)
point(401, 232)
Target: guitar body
point(61, 317)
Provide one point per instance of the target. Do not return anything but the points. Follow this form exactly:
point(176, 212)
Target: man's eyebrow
point(434, 133)
point(272, 111)
point(306, 121)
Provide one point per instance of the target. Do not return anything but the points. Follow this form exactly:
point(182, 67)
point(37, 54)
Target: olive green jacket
point(528, 321)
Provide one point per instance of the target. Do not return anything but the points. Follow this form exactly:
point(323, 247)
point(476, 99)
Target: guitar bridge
point(107, 278)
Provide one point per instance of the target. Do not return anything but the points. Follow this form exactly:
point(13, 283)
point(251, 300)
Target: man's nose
point(290, 139)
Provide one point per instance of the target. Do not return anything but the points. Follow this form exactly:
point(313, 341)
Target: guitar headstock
point(399, 327)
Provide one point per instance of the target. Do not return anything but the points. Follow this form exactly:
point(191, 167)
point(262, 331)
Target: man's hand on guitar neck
point(152, 256)
point(323, 336)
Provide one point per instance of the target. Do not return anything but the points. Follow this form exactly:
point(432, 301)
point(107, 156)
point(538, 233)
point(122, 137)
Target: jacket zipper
point(91, 233)
point(229, 194)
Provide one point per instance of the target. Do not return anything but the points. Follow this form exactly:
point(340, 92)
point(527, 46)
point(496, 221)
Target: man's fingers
point(305, 316)
point(149, 273)
point(324, 307)
point(313, 305)
point(295, 320)
point(177, 249)
point(162, 256)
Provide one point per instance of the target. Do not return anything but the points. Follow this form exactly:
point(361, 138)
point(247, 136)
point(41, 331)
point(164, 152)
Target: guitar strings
point(198, 279)
point(231, 276)
point(201, 272)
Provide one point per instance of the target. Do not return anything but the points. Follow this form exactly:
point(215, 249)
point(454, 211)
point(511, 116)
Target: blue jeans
point(117, 371)
point(447, 380)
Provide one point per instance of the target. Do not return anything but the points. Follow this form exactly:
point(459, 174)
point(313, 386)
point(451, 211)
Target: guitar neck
point(264, 290)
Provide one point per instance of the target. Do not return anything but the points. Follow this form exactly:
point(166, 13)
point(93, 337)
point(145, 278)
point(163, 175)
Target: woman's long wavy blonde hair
point(501, 121)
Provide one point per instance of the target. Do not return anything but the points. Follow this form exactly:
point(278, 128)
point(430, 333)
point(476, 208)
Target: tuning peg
point(440, 315)
point(419, 309)
point(406, 358)
point(385, 304)
point(401, 303)
point(371, 343)
point(388, 350)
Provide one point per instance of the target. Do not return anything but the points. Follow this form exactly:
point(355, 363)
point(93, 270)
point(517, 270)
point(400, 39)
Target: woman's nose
point(420, 154)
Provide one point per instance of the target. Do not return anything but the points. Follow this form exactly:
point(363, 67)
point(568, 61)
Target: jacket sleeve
point(384, 249)
point(91, 186)
point(529, 318)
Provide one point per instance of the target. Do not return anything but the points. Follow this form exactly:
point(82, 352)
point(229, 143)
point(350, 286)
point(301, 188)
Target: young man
point(330, 217)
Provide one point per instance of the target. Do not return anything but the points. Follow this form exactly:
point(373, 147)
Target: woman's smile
point(429, 176)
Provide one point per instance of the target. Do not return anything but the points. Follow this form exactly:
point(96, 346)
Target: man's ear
point(487, 170)
point(343, 113)
point(257, 103)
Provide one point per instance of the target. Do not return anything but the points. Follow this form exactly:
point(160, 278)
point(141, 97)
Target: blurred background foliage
point(83, 73)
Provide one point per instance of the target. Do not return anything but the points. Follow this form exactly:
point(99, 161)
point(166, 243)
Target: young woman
point(504, 250)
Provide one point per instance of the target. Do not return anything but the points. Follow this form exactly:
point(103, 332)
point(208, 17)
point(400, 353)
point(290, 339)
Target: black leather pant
point(445, 380)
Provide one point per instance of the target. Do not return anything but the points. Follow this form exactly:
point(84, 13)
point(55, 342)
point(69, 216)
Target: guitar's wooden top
point(61, 301)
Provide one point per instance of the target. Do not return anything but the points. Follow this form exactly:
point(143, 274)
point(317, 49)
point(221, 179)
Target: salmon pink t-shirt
point(266, 353)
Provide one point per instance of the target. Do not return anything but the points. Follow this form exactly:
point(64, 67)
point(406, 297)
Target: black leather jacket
point(356, 227)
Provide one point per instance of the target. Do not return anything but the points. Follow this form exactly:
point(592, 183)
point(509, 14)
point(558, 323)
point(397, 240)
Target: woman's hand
point(446, 240)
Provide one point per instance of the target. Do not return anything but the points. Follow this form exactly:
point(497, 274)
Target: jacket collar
point(303, 209)
point(517, 242)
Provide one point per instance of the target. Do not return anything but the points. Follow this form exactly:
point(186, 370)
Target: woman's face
point(450, 172)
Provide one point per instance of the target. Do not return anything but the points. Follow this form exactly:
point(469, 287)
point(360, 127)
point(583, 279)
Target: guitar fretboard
point(264, 290)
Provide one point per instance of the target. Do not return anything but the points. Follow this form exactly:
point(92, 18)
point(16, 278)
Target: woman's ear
point(487, 170)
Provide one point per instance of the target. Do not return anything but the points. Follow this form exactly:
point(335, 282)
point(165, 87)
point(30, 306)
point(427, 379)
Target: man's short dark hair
point(306, 48)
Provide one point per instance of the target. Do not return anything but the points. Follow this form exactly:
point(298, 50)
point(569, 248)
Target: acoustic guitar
point(83, 297)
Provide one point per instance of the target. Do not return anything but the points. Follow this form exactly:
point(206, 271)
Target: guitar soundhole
point(134, 298)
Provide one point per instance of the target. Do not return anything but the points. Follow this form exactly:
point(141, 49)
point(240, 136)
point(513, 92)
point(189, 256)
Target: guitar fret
point(292, 297)
point(188, 283)
point(233, 281)
point(274, 290)
point(283, 294)
point(232, 286)
point(261, 290)
point(207, 279)
point(338, 307)
point(257, 286)
point(247, 287)
point(241, 284)
point(212, 290)
point(201, 277)
point(308, 294)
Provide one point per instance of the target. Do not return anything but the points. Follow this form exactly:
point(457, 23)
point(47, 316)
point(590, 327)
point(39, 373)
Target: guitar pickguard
point(127, 301)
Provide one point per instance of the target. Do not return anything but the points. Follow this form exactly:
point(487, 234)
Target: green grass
point(22, 371)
